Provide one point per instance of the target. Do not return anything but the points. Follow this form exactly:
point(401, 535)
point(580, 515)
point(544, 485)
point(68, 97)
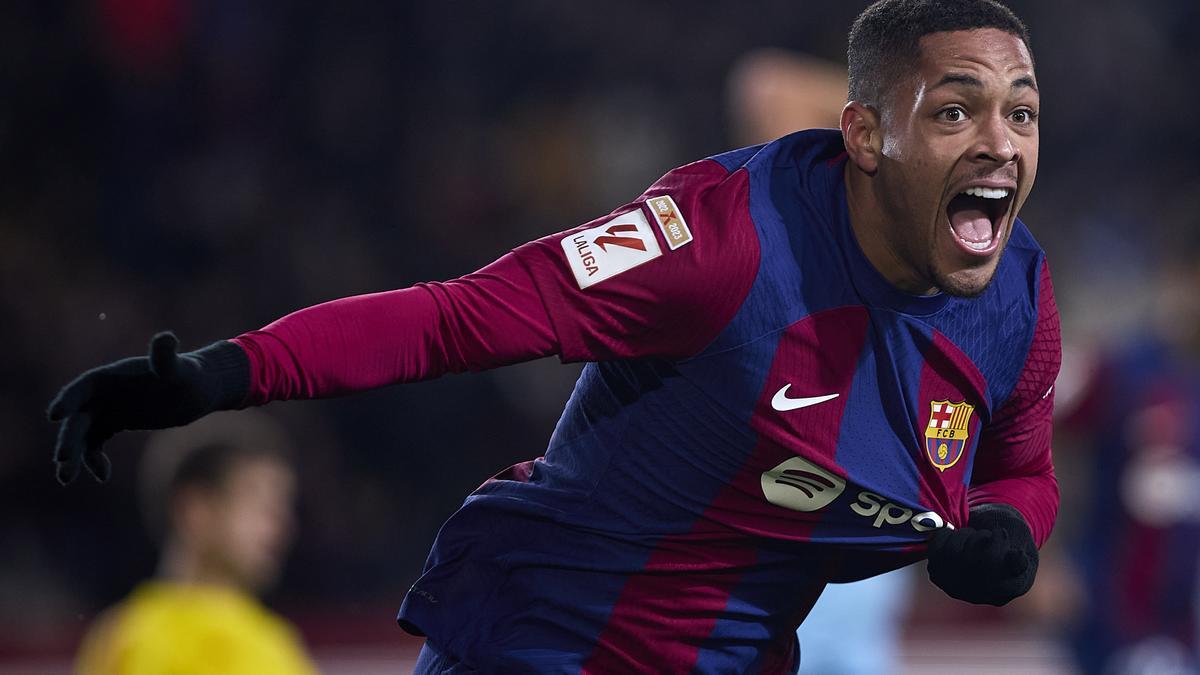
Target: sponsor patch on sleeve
point(670, 221)
point(617, 246)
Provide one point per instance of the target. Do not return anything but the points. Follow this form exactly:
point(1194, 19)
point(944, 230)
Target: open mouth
point(977, 215)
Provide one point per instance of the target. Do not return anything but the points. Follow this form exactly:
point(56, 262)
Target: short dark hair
point(885, 39)
point(202, 456)
point(208, 466)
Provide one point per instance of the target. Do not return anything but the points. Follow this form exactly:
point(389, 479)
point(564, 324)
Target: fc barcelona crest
point(947, 432)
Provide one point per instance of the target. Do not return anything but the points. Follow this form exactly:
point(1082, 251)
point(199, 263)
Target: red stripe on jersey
point(815, 358)
point(687, 579)
point(948, 375)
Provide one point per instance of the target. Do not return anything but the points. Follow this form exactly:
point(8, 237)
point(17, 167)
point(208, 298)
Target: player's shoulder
point(686, 243)
point(1024, 270)
point(1023, 243)
point(719, 180)
point(803, 151)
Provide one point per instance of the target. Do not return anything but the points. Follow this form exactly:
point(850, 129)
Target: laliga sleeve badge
point(947, 432)
point(616, 246)
point(670, 221)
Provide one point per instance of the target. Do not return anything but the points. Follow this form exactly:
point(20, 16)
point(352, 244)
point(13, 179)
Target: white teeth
point(986, 193)
point(978, 245)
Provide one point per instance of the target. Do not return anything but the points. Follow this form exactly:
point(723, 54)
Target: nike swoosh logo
point(782, 403)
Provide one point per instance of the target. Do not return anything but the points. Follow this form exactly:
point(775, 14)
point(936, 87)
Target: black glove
point(989, 562)
point(163, 390)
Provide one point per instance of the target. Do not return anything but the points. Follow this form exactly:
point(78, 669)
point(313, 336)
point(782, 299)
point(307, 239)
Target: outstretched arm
point(490, 318)
point(612, 288)
point(486, 319)
point(618, 287)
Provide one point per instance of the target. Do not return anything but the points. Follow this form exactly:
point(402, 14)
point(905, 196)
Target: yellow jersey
point(166, 628)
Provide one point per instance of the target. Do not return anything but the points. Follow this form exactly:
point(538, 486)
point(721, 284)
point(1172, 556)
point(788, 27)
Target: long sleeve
point(1013, 464)
point(617, 287)
point(486, 319)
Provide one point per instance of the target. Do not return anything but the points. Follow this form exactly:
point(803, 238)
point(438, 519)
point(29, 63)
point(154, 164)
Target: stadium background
point(209, 166)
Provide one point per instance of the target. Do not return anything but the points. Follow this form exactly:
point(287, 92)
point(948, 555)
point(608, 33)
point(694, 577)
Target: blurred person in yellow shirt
point(220, 493)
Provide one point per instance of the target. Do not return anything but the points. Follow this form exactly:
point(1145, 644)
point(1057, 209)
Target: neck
point(869, 222)
point(188, 565)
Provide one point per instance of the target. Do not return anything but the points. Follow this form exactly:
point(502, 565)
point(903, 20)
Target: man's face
point(959, 156)
point(252, 521)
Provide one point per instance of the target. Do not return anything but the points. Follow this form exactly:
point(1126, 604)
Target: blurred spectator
point(1138, 547)
point(220, 494)
point(773, 92)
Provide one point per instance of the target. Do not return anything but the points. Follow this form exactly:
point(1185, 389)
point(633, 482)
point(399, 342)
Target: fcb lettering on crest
point(947, 432)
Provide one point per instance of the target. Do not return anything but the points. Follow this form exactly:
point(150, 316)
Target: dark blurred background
point(208, 166)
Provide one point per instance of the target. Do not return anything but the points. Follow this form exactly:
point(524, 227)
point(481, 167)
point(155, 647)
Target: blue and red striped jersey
point(761, 413)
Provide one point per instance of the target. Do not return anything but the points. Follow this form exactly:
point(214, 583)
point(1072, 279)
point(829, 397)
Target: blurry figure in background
point(220, 495)
point(772, 93)
point(1139, 546)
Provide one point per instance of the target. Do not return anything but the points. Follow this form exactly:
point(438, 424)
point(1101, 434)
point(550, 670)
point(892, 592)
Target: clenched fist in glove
point(164, 389)
point(990, 561)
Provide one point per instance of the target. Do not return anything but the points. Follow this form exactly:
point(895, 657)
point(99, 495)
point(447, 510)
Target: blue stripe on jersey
point(795, 238)
point(746, 618)
point(998, 347)
point(647, 469)
point(877, 430)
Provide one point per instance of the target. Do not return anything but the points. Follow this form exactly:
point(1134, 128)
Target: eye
point(1023, 116)
point(952, 114)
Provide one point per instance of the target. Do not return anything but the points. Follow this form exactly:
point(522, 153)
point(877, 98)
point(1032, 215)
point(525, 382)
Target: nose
point(995, 142)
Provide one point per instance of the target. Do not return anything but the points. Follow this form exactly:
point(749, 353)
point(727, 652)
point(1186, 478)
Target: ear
point(860, 133)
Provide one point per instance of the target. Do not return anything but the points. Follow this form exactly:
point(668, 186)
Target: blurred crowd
point(210, 166)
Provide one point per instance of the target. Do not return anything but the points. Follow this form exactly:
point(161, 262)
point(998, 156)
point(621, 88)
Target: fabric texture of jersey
point(761, 414)
point(191, 630)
